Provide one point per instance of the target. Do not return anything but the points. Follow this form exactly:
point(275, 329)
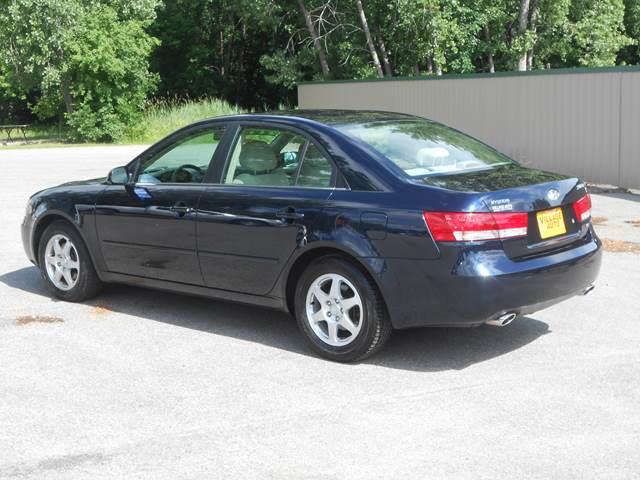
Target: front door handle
point(181, 208)
point(289, 214)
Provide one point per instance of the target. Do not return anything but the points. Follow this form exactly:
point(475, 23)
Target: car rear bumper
point(469, 285)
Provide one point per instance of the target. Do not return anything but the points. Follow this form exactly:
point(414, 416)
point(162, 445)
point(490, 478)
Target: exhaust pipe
point(588, 289)
point(503, 320)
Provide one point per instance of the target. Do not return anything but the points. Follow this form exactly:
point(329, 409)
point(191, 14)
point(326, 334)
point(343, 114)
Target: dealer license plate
point(551, 223)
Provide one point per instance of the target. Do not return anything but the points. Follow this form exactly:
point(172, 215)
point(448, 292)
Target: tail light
point(582, 208)
point(475, 226)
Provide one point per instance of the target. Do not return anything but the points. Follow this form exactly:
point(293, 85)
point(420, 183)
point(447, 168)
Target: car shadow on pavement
point(437, 349)
point(420, 349)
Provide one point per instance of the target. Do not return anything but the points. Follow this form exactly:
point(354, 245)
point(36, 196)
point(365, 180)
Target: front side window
point(186, 161)
point(423, 148)
point(275, 158)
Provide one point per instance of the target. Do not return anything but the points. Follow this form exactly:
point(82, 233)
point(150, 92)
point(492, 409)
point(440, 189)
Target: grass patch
point(53, 143)
point(165, 116)
point(160, 118)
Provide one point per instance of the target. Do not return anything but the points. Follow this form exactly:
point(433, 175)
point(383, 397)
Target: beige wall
point(582, 124)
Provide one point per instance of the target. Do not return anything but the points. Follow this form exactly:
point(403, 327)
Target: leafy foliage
point(94, 63)
point(86, 60)
point(631, 54)
point(106, 60)
point(598, 31)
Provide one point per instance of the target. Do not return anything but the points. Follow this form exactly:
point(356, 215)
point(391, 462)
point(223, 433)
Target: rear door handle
point(289, 214)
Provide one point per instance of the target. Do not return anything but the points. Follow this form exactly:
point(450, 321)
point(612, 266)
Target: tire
point(80, 280)
point(362, 325)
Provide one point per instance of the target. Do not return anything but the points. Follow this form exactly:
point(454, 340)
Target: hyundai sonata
point(354, 222)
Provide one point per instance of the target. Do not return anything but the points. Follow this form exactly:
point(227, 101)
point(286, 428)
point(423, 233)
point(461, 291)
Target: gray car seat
point(260, 165)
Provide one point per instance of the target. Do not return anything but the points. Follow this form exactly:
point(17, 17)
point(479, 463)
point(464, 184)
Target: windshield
point(421, 148)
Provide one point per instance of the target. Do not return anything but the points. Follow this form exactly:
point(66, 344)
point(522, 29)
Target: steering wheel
point(187, 167)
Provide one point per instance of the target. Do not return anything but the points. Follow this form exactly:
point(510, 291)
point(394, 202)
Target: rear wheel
point(65, 264)
point(340, 311)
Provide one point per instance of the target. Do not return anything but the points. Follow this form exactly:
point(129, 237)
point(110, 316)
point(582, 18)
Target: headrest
point(258, 157)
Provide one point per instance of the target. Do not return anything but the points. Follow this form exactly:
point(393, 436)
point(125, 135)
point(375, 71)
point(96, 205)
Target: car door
point(147, 228)
point(269, 201)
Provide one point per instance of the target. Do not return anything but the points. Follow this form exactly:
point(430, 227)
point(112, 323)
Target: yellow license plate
point(551, 223)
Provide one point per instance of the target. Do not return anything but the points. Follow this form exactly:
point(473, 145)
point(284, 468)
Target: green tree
point(89, 61)
point(425, 36)
point(631, 53)
point(107, 64)
point(86, 60)
point(527, 34)
point(34, 32)
point(214, 48)
point(598, 32)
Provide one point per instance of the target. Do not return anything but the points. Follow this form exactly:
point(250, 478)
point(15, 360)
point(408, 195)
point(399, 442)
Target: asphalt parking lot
point(141, 384)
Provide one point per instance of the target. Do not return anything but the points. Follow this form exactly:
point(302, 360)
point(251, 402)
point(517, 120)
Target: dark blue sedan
point(355, 222)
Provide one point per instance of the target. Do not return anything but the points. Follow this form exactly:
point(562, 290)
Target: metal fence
point(582, 122)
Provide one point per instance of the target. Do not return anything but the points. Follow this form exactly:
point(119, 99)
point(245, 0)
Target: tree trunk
point(221, 53)
point(386, 64)
point(533, 27)
point(436, 67)
point(367, 34)
point(523, 24)
point(324, 66)
point(65, 85)
point(522, 62)
point(487, 37)
point(491, 63)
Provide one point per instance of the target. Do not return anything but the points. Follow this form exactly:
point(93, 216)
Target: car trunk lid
point(547, 198)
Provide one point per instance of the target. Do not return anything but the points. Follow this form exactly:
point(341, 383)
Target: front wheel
point(340, 311)
point(65, 264)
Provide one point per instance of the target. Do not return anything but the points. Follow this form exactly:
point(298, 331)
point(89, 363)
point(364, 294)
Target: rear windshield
point(422, 148)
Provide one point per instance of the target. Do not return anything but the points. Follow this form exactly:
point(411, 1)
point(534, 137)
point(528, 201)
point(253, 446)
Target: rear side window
point(316, 170)
point(422, 148)
point(276, 158)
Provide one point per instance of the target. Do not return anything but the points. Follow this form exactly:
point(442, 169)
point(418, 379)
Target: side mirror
point(118, 176)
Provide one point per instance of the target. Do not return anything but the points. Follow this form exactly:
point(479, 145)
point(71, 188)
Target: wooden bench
point(19, 128)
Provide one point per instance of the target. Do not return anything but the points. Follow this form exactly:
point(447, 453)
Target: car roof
point(334, 118)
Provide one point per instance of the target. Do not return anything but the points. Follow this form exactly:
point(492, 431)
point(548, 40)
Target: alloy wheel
point(334, 310)
point(62, 262)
